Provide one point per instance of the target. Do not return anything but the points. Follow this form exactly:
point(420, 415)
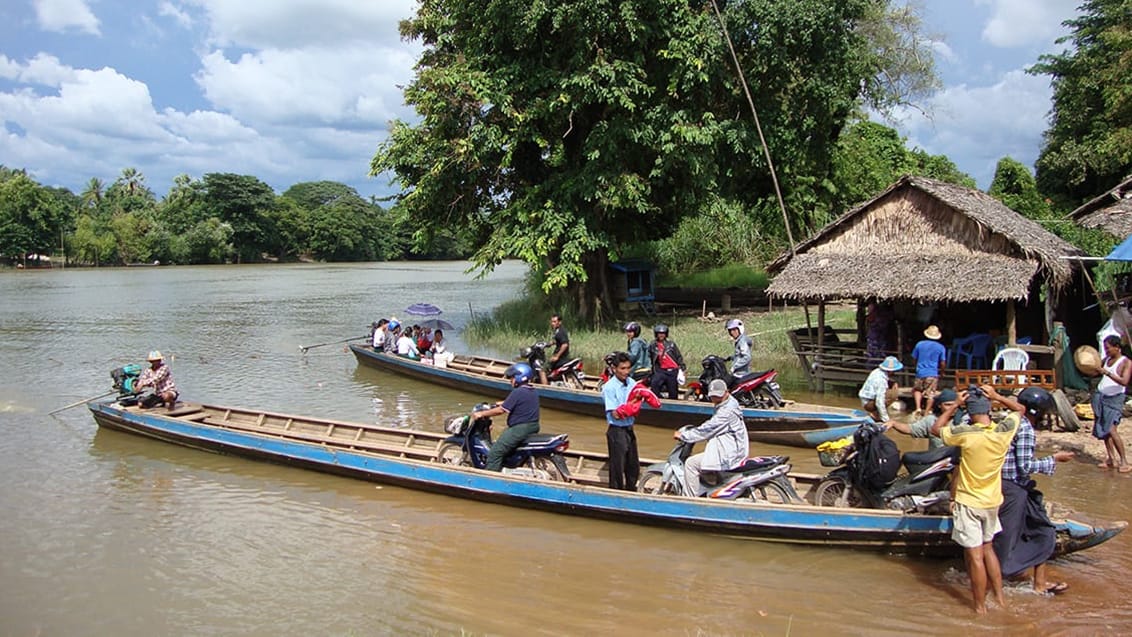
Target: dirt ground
point(1082, 442)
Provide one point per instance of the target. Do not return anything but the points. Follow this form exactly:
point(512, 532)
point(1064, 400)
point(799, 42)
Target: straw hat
point(155, 355)
point(891, 364)
point(932, 332)
point(1087, 360)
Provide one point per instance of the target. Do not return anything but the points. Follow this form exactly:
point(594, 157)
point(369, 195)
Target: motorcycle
point(923, 488)
point(540, 455)
point(757, 389)
point(761, 479)
point(569, 374)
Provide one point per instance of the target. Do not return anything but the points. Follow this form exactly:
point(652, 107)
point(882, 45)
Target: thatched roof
point(1111, 212)
point(924, 240)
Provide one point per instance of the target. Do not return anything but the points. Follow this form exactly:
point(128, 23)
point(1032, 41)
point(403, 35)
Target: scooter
point(540, 455)
point(757, 389)
point(569, 374)
point(924, 488)
point(761, 479)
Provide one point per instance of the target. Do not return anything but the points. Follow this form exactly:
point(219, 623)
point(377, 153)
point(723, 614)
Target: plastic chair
point(1000, 342)
point(970, 350)
point(1011, 358)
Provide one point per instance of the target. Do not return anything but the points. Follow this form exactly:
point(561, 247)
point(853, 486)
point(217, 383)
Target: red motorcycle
point(569, 374)
point(757, 389)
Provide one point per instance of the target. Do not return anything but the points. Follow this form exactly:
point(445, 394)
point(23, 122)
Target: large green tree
point(243, 202)
point(31, 217)
point(1088, 145)
point(1015, 187)
point(561, 132)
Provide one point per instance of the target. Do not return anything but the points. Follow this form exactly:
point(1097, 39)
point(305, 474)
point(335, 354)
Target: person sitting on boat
point(441, 357)
point(522, 409)
point(377, 338)
point(392, 333)
point(424, 339)
point(874, 393)
point(922, 428)
point(158, 380)
point(1028, 538)
point(407, 346)
point(638, 351)
point(726, 433)
point(741, 359)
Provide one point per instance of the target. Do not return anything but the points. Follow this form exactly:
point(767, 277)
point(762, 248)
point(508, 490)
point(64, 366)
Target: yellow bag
point(1084, 411)
point(833, 453)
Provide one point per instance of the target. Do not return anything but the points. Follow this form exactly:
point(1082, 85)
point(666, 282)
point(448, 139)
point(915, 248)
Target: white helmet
point(735, 324)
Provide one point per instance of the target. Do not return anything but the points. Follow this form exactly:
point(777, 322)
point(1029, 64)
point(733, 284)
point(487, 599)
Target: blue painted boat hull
point(854, 528)
point(790, 421)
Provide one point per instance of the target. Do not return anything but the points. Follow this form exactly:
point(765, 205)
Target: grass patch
point(735, 275)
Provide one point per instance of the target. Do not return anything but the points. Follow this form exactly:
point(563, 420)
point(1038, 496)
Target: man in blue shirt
point(930, 357)
point(522, 409)
point(624, 463)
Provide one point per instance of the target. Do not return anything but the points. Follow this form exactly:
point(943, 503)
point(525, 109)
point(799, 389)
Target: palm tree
point(92, 196)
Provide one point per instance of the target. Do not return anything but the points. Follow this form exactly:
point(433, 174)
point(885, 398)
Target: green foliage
point(723, 233)
point(241, 201)
point(563, 156)
point(1015, 187)
point(31, 217)
point(1088, 146)
point(735, 275)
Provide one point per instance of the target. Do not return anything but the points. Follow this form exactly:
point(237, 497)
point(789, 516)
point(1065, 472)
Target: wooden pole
point(821, 342)
point(1011, 323)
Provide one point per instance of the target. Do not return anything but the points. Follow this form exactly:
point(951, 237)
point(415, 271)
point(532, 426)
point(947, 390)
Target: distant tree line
point(219, 218)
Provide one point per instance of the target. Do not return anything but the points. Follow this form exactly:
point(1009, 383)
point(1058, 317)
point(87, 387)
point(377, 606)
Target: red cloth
point(628, 410)
point(639, 392)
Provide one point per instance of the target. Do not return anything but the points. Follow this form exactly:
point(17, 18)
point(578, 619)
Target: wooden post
point(1011, 323)
point(1058, 353)
point(821, 342)
point(725, 304)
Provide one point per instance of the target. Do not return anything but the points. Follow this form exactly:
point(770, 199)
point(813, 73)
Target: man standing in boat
point(159, 380)
point(522, 409)
point(622, 404)
point(561, 346)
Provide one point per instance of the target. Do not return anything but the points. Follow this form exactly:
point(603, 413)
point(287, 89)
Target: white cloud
point(978, 125)
point(267, 24)
point(180, 16)
point(1015, 23)
point(60, 15)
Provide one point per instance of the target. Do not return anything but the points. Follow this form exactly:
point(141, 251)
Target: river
point(104, 533)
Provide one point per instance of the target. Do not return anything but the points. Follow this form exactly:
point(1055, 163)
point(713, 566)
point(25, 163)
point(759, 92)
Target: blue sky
point(302, 90)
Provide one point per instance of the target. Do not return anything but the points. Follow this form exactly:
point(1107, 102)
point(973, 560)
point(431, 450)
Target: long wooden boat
point(484, 376)
point(409, 458)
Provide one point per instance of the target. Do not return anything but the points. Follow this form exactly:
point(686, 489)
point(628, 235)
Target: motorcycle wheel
point(653, 483)
point(451, 453)
point(836, 492)
point(547, 465)
point(770, 493)
point(765, 396)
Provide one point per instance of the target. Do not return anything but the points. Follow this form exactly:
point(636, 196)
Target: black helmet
point(634, 327)
point(660, 328)
point(1036, 400)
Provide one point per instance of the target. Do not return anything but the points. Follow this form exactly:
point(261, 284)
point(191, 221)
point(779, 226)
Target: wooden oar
point(82, 402)
point(304, 348)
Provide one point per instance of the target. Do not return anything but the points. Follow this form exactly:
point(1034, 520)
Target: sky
point(292, 91)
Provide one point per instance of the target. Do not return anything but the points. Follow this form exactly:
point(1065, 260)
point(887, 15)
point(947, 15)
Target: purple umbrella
point(423, 309)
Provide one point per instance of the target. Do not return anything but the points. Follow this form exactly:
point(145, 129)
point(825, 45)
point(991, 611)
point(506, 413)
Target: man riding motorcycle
point(638, 351)
point(522, 409)
point(741, 359)
point(726, 433)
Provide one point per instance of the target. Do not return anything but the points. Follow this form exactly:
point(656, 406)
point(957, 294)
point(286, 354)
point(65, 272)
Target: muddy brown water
point(104, 533)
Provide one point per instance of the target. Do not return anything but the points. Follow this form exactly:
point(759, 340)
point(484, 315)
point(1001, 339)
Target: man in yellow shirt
point(977, 490)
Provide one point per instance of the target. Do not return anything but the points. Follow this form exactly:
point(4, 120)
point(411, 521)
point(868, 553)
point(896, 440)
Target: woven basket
point(833, 458)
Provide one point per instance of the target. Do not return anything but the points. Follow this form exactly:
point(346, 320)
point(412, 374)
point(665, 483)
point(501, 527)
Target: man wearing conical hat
point(930, 357)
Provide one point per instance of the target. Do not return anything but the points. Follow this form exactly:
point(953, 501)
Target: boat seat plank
point(402, 450)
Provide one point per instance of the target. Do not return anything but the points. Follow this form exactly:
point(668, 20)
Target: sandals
point(1056, 589)
point(1125, 468)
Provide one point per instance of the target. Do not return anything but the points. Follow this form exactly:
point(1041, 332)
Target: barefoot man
point(977, 489)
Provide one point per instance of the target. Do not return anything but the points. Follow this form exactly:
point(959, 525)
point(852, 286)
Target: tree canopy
point(563, 132)
point(1088, 145)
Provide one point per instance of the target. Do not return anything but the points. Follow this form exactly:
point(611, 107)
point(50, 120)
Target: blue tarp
point(1122, 252)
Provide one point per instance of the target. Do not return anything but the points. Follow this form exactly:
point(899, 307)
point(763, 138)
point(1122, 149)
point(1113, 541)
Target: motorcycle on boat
point(569, 374)
point(761, 479)
point(757, 389)
point(924, 487)
point(540, 456)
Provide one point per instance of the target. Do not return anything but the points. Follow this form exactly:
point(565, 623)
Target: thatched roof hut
point(925, 241)
point(1111, 212)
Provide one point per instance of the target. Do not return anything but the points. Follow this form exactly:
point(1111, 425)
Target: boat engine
point(125, 377)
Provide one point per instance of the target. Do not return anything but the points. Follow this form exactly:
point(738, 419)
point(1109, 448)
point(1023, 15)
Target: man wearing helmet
point(522, 409)
point(741, 359)
point(638, 351)
point(1027, 538)
point(667, 362)
point(159, 380)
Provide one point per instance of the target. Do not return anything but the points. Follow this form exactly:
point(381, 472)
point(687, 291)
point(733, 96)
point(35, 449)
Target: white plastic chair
point(1011, 358)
